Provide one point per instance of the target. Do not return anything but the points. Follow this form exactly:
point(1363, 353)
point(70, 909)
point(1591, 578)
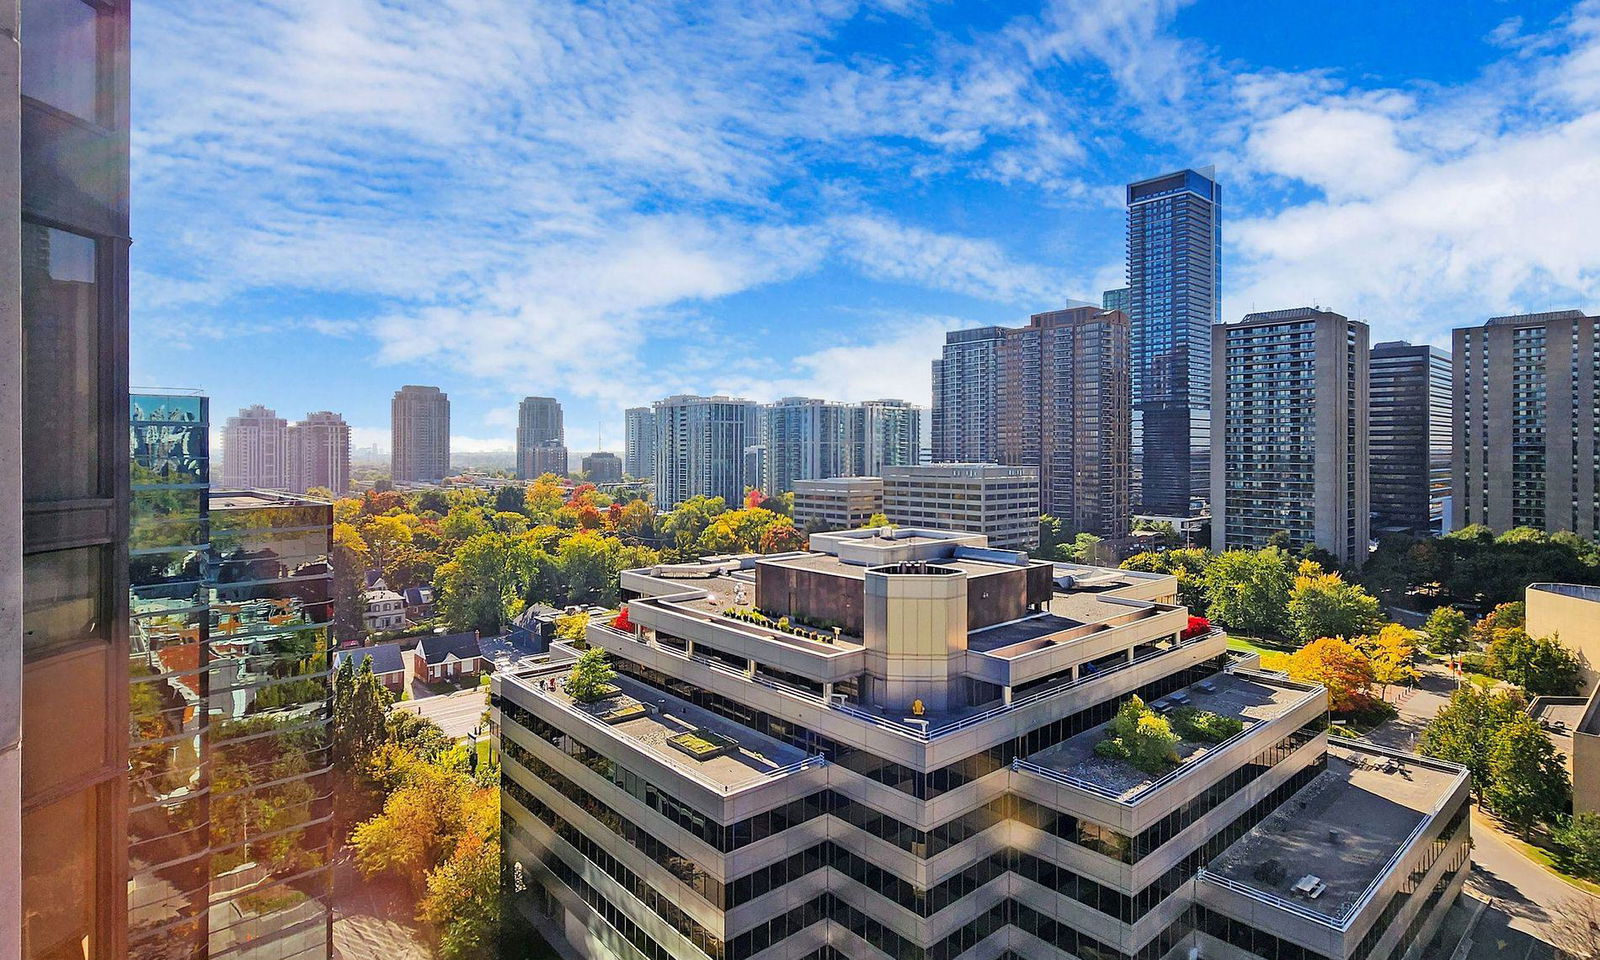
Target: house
point(535, 627)
point(447, 655)
point(419, 602)
point(387, 663)
point(385, 609)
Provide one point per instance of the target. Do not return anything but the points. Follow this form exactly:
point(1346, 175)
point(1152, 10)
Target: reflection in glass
point(60, 55)
point(60, 364)
point(61, 600)
point(58, 873)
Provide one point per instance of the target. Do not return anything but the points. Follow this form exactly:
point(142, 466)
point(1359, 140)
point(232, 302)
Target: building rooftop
point(1343, 828)
point(754, 757)
point(385, 658)
point(252, 499)
point(1241, 697)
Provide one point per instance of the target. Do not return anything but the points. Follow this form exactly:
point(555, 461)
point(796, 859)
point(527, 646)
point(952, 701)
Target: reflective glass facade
point(229, 808)
point(1173, 299)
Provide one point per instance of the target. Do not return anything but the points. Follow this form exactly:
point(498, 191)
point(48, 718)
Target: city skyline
point(1342, 160)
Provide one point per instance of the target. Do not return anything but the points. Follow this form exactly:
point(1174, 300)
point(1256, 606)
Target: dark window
point(60, 365)
point(61, 55)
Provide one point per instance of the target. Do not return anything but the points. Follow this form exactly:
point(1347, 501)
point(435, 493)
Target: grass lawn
point(1272, 658)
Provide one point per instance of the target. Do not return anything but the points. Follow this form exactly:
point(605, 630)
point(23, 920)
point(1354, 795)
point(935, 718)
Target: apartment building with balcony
point(886, 747)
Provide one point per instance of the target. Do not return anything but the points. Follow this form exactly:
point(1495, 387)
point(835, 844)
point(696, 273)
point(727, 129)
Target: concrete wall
point(1572, 613)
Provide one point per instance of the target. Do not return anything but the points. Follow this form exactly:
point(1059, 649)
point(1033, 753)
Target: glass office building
point(229, 805)
point(1173, 299)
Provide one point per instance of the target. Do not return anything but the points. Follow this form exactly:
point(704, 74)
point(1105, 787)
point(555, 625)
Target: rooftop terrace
point(1232, 695)
point(1343, 829)
point(752, 757)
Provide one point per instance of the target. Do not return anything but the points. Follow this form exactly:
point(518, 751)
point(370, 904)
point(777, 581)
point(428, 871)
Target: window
point(59, 899)
point(61, 55)
point(62, 591)
point(60, 365)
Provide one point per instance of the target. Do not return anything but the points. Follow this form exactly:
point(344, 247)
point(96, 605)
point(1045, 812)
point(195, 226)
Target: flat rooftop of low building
point(829, 564)
point(1561, 714)
point(1231, 695)
point(1342, 828)
point(248, 499)
point(756, 755)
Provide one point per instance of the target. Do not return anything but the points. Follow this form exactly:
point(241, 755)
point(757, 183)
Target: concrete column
point(750, 669)
point(1005, 695)
point(827, 691)
point(10, 486)
point(688, 648)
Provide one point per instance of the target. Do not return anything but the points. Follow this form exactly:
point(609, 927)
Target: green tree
point(1140, 736)
point(360, 703)
point(1327, 606)
point(489, 573)
point(1462, 729)
point(572, 627)
point(1249, 592)
point(350, 561)
point(433, 500)
point(463, 901)
point(875, 522)
point(1528, 783)
point(1050, 539)
point(1503, 617)
point(510, 498)
point(591, 676)
point(1086, 548)
point(683, 526)
point(1446, 630)
point(1187, 565)
point(1540, 665)
point(1577, 841)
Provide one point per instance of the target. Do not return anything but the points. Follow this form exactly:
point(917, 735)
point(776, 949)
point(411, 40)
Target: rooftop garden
point(820, 631)
point(703, 744)
point(1149, 741)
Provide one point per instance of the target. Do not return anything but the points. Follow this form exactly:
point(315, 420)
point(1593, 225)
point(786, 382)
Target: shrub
point(1197, 627)
point(1140, 736)
point(1204, 726)
point(1577, 841)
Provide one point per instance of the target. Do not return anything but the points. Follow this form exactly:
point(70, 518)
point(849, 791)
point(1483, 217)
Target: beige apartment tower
point(419, 424)
point(1527, 434)
point(1290, 432)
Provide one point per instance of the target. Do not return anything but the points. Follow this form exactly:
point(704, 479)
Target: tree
point(1392, 651)
point(683, 526)
point(782, 537)
point(421, 821)
point(489, 573)
point(511, 499)
point(1188, 566)
point(1540, 665)
point(1577, 839)
point(1528, 782)
point(359, 705)
point(1086, 548)
point(1249, 592)
point(1140, 736)
point(1446, 630)
point(591, 676)
point(463, 893)
point(1339, 666)
point(572, 627)
point(1327, 606)
point(876, 522)
point(1503, 617)
point(1050, 539)
point(638, 520)
point(433, 500)
point(1461, 731)
point(350, 560)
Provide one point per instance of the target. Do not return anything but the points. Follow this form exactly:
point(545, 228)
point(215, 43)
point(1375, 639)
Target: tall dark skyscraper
point(1174, 297)
point(1411, 428)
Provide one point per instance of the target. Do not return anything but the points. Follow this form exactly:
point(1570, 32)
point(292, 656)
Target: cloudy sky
point(612, 202)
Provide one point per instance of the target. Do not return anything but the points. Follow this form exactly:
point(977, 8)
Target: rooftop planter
point(702, 744)
point(622, 713)
point(829, 634)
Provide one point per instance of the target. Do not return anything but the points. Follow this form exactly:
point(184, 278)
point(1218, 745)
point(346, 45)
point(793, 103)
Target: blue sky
point(611, 202)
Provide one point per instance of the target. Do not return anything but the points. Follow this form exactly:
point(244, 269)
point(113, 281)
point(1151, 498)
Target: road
point(458, 714)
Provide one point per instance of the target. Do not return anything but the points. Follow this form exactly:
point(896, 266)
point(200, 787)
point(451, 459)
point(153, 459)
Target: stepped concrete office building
point(419, 428)
point(539, 424)
point(700, 448)
point(64, 480)
point(965, 380)
point(998, 502)
point(906, 766)
point(1291, 432)
point(1410, 437)
point(639, 442)
point(319, 453)
point(1527, 423)
point(839, 503)
point(255, 450)
point(1174, 297)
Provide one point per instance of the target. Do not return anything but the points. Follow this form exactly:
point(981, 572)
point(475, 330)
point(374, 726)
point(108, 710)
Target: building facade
point(700, 445)
point(1115, 299)
point(228, 801)
point(888, 434)
point(539, 423)
point(546, 456)
point(1411, 428)
point(639, 443)
point(1063, 407)
point(602, 467)
point(319, 453)
point(255, 450)
point(841, 503)
point(1174, 298)
point(1291, 427)
point(1527, 423)
point(997, 502)
point(914, 773)
point(965, 379)
point(64, 480)
point(808, 439)
point(419, 428)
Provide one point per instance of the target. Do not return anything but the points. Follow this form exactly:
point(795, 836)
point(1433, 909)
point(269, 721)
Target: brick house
point(447, 655)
